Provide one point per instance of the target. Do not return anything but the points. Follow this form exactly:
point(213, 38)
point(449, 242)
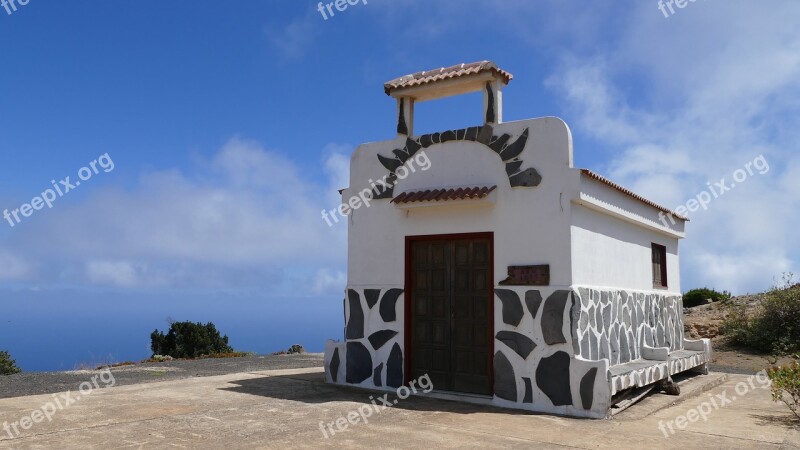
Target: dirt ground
point(296, 408)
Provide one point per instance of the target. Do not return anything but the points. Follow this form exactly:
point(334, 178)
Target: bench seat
point(642, 372)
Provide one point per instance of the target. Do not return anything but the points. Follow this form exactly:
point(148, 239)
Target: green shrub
point(697, 297)
point(296, 349)
point(774, 327)
point(7, 365)
point(786, 386)
point(189, 340)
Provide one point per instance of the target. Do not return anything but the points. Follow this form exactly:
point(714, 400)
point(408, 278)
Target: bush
point(189, 340)
point(775, 325)
point(697, 297)
point(7, 365)
point(786, 386)
point(296, 349)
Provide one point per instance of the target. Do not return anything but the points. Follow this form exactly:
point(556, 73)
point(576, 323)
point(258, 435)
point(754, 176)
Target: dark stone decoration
point(376, 375)
point(513, 167)
point(394, 367)
point(587, 388)
point(491, 116)
point(575, 317)
point(527, 178)
point(355, 324)
point(401, 155)
point(390, 163)
point(402, 127)
point(510, 152)
point(504, 145)
point(552, 377)
point(505, 382)
point(380, 338)
point(372, 296)
point(521, 344)
point(334, 366)
point(533, 299)
point(388, 302)
point(512, 306)
point(359, 363)
point(528, 390)
point(553, 317)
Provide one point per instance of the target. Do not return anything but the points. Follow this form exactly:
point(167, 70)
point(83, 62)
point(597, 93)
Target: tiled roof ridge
point(628, 192)
point(444, 194)
point(446, 73)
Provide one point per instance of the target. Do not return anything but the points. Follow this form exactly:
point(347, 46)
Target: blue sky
point(230, 125)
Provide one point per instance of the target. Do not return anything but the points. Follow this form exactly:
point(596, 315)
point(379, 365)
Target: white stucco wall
point(608, 252)
point(531, 224)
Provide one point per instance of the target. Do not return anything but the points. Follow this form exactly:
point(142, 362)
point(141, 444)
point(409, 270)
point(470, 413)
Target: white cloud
point(708, 100)
point(118, 273)
point(247, 217)
point(328, 281)
point(337, 168)
point(14, 268)
point(296, 38)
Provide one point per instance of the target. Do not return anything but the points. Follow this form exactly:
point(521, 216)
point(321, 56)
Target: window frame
point(660, 282)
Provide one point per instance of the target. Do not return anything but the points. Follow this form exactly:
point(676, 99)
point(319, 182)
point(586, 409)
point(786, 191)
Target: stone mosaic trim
point(616, 325)
point(637, 375)
point(682, 361)
point(552, 377)
point(534, 365)
point(521, 344)
point(505, 383)
point(371, 355)
point(505, 145)
point(587, 388)
point(563, 351)
point(645, 372)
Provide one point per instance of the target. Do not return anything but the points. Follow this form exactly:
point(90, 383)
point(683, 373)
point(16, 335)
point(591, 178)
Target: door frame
point(408, 300)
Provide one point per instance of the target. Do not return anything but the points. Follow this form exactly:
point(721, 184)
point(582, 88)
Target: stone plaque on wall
point(538, 275)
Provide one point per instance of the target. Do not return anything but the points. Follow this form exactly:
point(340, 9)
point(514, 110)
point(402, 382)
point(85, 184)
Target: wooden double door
point(450, 311)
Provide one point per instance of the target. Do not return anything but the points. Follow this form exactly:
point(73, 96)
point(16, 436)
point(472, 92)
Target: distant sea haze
point(58, 330)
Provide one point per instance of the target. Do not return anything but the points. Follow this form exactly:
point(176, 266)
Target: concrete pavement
point(284, 408)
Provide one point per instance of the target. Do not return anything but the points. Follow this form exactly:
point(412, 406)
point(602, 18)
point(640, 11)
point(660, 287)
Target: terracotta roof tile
point(630, 193)
point(441, 195)
point(445, 73)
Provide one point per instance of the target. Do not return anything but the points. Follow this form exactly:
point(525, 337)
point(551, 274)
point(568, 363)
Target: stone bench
point(658, 364)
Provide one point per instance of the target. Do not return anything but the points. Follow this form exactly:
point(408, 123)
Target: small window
point(659, 266)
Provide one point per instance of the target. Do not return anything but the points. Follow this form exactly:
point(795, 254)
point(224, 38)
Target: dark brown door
point(451, 314)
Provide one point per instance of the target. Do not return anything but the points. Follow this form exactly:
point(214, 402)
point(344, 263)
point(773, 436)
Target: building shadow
point(311, 388)
point(784, 420)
